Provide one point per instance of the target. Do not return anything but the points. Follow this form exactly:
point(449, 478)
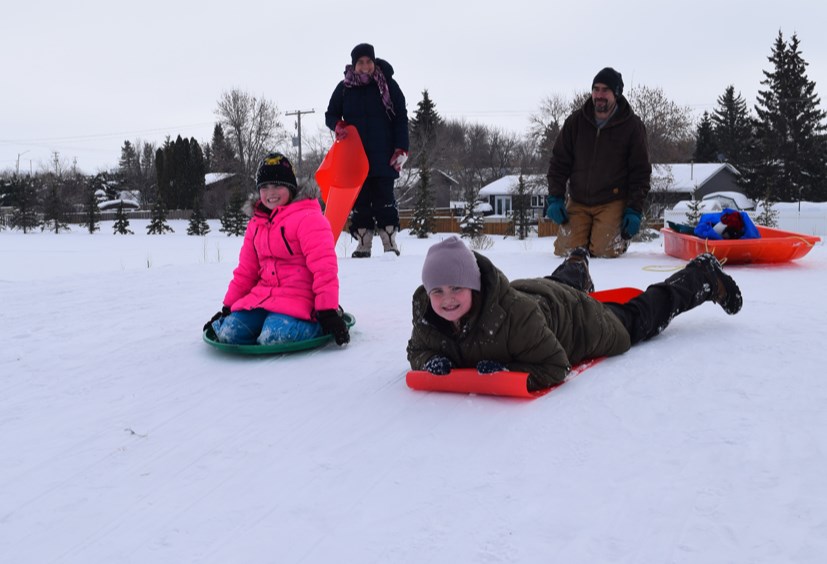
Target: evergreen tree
point(521, 210)
point(222, 158)
point(54, 211)
point(91, 211)
point(732, 128)
point(422, 222)
point(233, 221)
point(693, 215)
point(472, 222)
point(789, 158)
point(25, 202)
point(197, 224)
point(121, 226)
point(158, 222)
point(768, 216)
point(706, 149)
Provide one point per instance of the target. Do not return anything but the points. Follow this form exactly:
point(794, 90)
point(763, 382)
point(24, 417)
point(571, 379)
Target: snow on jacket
point(601, 165)
point(362, 107)
point(535, 325)
point(287, 262)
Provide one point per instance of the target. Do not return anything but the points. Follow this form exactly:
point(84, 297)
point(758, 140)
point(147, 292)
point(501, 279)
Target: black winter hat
point(610, 78)
point(276, 169)
point(362, 50)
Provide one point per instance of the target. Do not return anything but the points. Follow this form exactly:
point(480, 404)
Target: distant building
point(498, 194)
point(442, 187)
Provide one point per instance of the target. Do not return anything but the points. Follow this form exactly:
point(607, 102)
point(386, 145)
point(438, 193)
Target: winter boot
point(702, 280)
point(722, 288)
point(365, 238)
point(388, 236)
point(574, 271)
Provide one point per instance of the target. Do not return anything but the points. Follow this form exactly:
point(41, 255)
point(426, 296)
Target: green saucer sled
point(278, 348)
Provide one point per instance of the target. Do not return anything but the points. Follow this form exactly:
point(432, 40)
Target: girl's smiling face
point(274, 195)
point(451, 302)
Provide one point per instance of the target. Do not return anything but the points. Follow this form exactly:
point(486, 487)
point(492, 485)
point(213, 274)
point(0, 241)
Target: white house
point(498, 193)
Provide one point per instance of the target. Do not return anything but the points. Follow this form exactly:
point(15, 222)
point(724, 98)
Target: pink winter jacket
point(287, 262)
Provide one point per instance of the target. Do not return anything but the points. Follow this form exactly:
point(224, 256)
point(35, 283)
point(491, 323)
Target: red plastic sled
point(508, 384)
point(340, 178)
point(774, 245)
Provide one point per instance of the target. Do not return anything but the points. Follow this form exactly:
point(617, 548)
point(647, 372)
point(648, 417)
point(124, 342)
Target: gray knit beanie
point(450, 263)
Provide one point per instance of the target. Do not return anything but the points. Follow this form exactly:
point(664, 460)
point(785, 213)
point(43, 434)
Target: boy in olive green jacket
point(467, 314)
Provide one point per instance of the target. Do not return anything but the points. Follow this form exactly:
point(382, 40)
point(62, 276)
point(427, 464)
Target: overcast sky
point(81, 77)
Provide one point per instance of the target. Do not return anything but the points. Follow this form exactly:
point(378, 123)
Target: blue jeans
point(259, 326)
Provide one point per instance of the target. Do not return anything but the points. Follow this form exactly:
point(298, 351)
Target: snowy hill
point(126, 439)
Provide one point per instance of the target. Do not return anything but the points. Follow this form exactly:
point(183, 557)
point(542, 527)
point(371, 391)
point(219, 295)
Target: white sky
point(82, 77)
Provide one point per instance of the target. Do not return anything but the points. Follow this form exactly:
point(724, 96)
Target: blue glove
point(489, 366)
point(556, 210)
point(438, 365)
point(630, 224)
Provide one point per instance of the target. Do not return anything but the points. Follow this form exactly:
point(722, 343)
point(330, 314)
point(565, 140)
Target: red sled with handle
point(340, 178)
point(507, 384)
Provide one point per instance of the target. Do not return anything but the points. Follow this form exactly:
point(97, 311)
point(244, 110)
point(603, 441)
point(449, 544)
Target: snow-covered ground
point(126, 439)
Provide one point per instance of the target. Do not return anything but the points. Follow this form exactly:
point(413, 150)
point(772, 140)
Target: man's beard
point(602, 106)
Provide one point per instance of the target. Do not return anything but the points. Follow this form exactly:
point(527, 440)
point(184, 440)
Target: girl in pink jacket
point(286, 285)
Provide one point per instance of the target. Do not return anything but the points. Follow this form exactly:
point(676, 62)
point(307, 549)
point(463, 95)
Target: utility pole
point(297, 142)
point(18, 161)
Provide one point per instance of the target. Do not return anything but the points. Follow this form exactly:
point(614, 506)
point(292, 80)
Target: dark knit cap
point(276, 169)
point(362, 50)
point(450, 263)
point(612, 79)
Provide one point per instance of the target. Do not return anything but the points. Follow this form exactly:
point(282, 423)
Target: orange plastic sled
point(774, 245)
point(507, 384)
point(340, 178)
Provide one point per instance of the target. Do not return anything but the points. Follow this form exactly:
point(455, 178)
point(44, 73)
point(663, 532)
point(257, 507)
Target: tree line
point(778, 146)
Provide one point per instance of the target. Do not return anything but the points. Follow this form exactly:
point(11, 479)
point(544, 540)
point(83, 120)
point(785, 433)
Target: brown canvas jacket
point(601, 165)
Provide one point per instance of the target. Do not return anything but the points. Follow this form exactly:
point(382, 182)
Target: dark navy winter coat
point(362, 106)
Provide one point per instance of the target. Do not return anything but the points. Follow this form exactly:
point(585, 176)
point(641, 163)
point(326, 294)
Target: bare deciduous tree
point(669, 127)
point(252, 126)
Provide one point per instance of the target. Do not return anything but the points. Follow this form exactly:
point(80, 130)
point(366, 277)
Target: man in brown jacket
point(467, 314)
point(601, 156)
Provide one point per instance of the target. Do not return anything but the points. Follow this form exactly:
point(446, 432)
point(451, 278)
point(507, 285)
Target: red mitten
point(341, 132)
point(398, 159)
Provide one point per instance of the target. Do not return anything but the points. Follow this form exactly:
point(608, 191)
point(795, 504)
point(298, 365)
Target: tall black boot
point(700, 281)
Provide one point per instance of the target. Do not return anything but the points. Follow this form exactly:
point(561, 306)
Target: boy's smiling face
point(450, 302)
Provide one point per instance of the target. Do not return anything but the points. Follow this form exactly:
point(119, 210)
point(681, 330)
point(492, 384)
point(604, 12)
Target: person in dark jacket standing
point(601, 156)
point(467, 314)
point(371, 100)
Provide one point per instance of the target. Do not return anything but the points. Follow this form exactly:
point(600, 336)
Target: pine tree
point(158, 222)
point(222, 156)
point(790, 158)
point(693, 215)
point(520, 210)
point(121, 226)
point(54, 211)
point(233, 221)
point(197, 224)
point(472, 223)
point(25, 202)
point(768, 216)
point(91, 211)
point(422, 222)
point(706, 149)
point(732, 128)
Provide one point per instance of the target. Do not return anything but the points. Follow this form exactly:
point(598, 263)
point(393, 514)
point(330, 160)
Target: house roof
point(508, 184)
point(213, 177)
point(687, 177)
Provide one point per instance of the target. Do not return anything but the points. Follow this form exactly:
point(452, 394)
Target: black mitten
point(333, 323)
point(489, 367)
point(438, 365)
point(225, 311)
